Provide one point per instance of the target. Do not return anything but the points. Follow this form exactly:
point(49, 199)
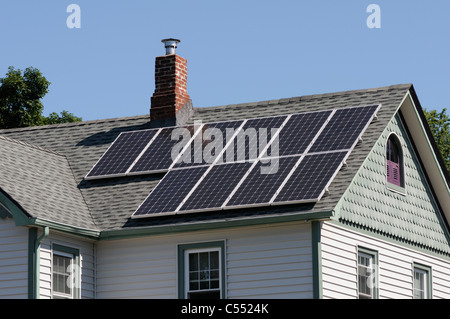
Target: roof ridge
point(72, 124)
point(8, 139)
point(309, 96)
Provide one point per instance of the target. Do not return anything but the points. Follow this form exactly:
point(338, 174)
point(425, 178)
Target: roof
point(42, 183)
point(108, 204)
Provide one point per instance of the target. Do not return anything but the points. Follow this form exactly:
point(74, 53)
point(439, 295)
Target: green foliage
point(20, 100)
point(440, 127)
point(20, 96)
point(64, 117)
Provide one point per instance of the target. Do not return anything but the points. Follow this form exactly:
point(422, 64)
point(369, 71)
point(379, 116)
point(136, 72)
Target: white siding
point(273, 261)
point(13, 260)
point(339, 265)
point(87, 263)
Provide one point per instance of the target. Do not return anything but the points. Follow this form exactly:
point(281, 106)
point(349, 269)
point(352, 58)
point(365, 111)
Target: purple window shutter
point(393, 173)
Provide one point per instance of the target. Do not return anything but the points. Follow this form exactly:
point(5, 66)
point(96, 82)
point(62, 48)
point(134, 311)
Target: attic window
point(394, 161)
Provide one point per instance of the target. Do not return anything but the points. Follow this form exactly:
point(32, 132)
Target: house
point(76, 223)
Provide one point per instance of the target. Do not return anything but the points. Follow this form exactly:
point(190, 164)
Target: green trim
point(211, 225)
point(76, 256)
point(374, 254)
point(428, 269)
point(32, 237)
point(316, 228)
point(20, 217)
point(83, 232)
point(181, 264)
point(390, 239)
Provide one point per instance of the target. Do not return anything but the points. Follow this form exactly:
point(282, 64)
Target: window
point(65, 272)
point(394, 161)
point(201, 270)
point(367, 274)
point(422, 282)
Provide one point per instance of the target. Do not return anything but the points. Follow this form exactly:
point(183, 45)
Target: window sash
point(198, 280)
point(366, 264)
point(62, 269)
point(420, 287)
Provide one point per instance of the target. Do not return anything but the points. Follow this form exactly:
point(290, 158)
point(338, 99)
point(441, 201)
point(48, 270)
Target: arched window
point(394, 161)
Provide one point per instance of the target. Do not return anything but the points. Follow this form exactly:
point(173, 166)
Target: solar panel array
point(226, 165)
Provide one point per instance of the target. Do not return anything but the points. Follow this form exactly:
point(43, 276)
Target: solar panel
point(309, 180)
point(299, 132)
point(158, 156)
point(170, 191)
point(121, 154)
point(344, 128)
point(263, 181)
point(206, 146)
point(253, 138)
point(214, 189)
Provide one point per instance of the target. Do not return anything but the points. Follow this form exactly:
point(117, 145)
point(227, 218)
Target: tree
point(439, 123)
point(64, 117)
point(20, 100)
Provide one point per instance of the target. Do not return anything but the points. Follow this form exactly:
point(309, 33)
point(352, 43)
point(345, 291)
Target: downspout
point(37, 256)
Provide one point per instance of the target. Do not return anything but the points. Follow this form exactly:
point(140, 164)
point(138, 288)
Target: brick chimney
point(170, 99)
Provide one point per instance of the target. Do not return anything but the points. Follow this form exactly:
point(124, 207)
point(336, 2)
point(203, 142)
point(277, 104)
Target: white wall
point(13, 260)
point(87, 263)
point(272, 261)
point(339, 265)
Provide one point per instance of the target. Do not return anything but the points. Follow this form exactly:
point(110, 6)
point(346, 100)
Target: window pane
point(204, 261)
point(420, 283)
point(365, 270)
point(193, 262)
point(214, 259)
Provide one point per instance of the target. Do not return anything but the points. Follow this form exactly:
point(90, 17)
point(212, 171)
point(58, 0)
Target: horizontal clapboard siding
point(13, 260)
point(339, 265)
point(273, 261)
point(87, 263)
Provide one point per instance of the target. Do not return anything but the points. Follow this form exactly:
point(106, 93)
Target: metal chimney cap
point(170, 44)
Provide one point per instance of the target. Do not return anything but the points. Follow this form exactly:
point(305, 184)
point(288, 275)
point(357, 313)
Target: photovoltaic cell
point(259, 187)
point(159, 155)
point(253, 137)
point(203, 150)
point(122, 153)
point(299, 131)
point(309, 180)
point(344, 128)
point(216, 186)
point(171, 191)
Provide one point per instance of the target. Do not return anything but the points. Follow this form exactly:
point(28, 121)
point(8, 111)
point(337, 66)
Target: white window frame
point(72, 262)
point(187, 252)
point(372, 255)
point(426, 272)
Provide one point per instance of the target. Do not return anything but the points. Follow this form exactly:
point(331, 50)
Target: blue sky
point(237, 51)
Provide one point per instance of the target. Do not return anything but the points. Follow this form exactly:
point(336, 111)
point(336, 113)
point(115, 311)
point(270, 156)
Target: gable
point(410, 214)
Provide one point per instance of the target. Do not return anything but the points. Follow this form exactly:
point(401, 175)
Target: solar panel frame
point(300, 169)
point(140, 167)
point(225, 143)
point(254, 183)
point(219, 184)
point(340, 138)
point(110, 149)
point(177, 188)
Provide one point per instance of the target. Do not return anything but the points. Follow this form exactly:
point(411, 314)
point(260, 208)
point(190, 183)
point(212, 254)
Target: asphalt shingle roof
point(108, 204)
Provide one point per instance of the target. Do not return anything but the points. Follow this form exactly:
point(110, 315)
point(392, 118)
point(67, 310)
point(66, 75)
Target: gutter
point(34, 261)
